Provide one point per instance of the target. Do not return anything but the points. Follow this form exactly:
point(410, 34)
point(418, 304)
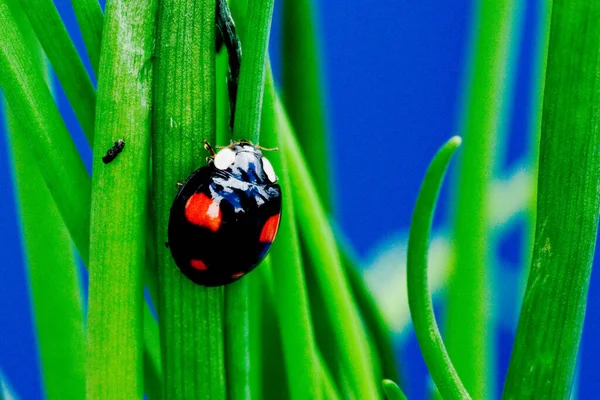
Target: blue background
point(394, 73)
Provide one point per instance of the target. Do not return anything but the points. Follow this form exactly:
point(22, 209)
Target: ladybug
point(225, 216)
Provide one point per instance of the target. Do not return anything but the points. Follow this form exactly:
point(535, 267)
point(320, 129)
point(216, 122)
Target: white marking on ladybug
point(224, 158)
point(269, 170)
point(213, 210)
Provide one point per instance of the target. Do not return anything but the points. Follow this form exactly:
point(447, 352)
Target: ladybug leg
point(230, 39)
point(267, 149)
point(209, 148)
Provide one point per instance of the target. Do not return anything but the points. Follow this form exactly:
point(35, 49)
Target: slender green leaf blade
point(545, 350)
point(419, 299)
point(302, 90)
point(59, 48)
point(292, 304)
point(89, 17)
point(34, 110)
point(52, 275)
point(349, 336)
point(119, 203)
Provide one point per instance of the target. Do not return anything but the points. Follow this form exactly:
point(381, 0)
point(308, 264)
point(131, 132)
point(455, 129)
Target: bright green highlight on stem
point(349, 338)
point(494, 31)
point(292, 305)
point(545, 350)
point(36, 114)
point(419, 299)
point(392, 391)
point(59, 48)
point(89, 17)
point(119, 203)
point(184, 114)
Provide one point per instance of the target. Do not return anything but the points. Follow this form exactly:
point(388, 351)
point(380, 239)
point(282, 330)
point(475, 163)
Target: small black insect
point(114, 151)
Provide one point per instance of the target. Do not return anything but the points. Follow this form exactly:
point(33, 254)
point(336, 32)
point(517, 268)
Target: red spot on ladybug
point(203, 211)
point(237, 275)
point(198, 264)
point(270, 229)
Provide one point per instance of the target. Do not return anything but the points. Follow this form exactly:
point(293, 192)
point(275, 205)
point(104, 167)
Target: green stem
point(65, 61)
point(419, 299)
point(246, 126)
point(302, 93)
point(292, 300)
point(184, 114)
point(392, 391)
point(469, 289)
point(349, 338)
point(89, 17)
point(252, 72)
point(115, 290)
point(545, 350)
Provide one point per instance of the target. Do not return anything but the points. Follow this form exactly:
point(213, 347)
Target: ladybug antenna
point(267, 149)
point(209, 148)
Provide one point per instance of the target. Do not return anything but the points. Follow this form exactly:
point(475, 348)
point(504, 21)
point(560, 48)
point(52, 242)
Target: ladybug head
point(245, 162)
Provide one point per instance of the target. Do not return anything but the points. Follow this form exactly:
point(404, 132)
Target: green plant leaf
point(49, 253)
point(246, 126)
point(419, 299)
point(348, 338)
point(495, 33)
point(59, 48)
point(292, 304)
point(191, 316)
point(119, 203)
point(547, 342)
point(89, 17)
point(302, 90)
point(34, 111)
point(392, 391)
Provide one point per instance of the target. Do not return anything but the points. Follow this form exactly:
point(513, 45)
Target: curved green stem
point(419, 299)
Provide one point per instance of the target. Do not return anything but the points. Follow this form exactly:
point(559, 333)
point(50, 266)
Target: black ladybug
point(225, 216)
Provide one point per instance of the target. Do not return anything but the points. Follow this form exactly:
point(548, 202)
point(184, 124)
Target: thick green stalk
point(184, 114)
point(349, 337)
point(119, 203)
point(545, 351)
point(302, 90)
point(34, 110)
point(419, 299)
point(292, 304)
point(469, 289)
point(246, 126)
point(89, 17)
point(65, 61)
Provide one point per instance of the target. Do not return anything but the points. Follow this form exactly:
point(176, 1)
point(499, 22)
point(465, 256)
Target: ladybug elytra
point(225, 216)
